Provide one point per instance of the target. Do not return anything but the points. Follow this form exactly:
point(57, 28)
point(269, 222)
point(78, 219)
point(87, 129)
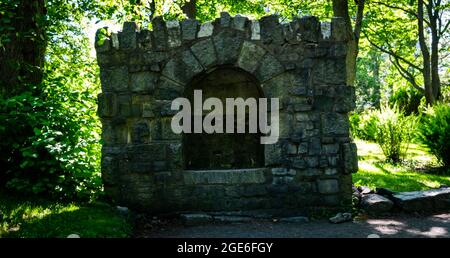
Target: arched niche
point(203, 151)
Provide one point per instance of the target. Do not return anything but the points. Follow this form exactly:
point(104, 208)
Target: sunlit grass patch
point(411, 175)
point(39, 218)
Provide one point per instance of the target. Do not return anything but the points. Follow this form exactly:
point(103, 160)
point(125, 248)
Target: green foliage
point(434, 131)
point(364, 125)
point(394, 132)
point(52, 139)
point(50, 132)
point(367, 84)
point(407, 99)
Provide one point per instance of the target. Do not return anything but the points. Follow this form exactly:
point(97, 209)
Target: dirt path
point(394, 226)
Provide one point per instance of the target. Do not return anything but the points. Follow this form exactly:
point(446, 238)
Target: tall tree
point(341, 9)
point(427, 22)
point(22, 44)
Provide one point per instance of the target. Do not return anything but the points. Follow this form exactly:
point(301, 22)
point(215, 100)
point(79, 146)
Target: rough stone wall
point(302, 63)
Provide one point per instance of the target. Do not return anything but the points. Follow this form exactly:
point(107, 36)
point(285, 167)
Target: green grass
point(42, 219)
point(417, 172)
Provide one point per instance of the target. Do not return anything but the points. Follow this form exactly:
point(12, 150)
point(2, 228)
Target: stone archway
point(224, 151)
point(302, 63)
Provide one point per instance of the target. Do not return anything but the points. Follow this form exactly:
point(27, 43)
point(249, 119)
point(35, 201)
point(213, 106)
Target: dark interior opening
point(223, 150)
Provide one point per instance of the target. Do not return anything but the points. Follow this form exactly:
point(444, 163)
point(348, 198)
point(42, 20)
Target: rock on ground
point(375, 203)
point(429, 200)
point(341, 217)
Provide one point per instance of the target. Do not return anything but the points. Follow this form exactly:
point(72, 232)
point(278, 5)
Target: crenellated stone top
point(171, 34)
point(177, 51)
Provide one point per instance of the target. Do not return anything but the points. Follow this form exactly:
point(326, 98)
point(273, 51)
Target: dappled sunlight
point(386, 227)
point(374, 172)
point(394, 227)
point(26, 218)
point(84, 221)
point(433, 232)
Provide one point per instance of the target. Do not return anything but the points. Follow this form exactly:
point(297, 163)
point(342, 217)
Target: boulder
point(365, 190)
point(384, 192)
point(429, 200)
point(375, 203)
point(341, 217)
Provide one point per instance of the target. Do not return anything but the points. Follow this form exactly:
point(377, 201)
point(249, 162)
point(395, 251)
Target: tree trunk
point(190, 9)
point(340, 9)
point(376, 75)
point(22, 57)
point(435, 80)
point(425, 55)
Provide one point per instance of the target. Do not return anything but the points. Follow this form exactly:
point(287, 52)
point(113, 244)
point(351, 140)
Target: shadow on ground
point(397, 226)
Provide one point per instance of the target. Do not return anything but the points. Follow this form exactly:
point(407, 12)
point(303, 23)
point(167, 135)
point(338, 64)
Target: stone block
point(206, 30)
point(189, 29)
point(225, 20)
point(346, 99)
point(330, 148)
point(114, 79)
point(429, 200)
point(250, 56)
point(140, 133)
point(228, 44)
point(374, 203)
point(255, 30)
point(191, 62)
point(308, 27)
point(239, 22)
point(269, 68)
point(128, 35)
point(227, 177)
point(144, 82)
point(328, 186)
point(168, 90)
point(271, 30)
point(124, 105)
point(159, 33)
point(350, 158)
point(173, 33)
point(329, 72)
point(175, 70)
point(312, 162)
point(204, 51)
point(335, 124)
point(106, 104)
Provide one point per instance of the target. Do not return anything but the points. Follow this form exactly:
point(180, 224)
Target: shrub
point(50, 133)
point(407, 99)
point(364, 125)
point(50, 145)
point(434, 131)
point(394, 131)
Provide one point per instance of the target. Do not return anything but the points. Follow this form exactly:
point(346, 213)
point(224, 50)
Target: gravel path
point(393, 226)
